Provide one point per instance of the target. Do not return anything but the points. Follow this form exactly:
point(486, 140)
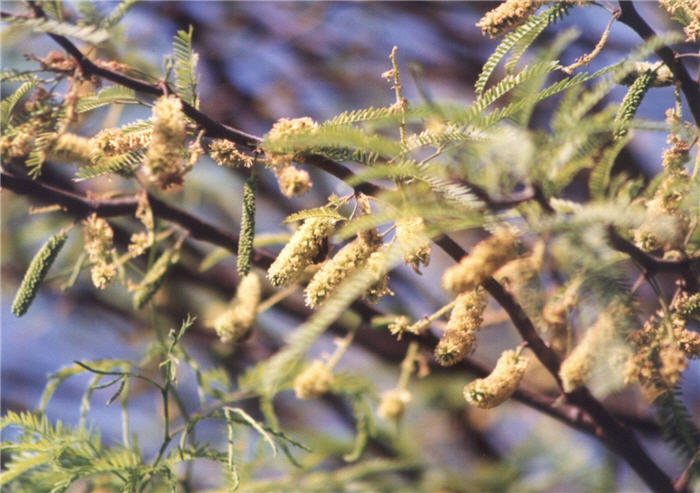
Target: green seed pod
point(154, 278)
point(247, 235)
point(37, 270)
point(631, 102)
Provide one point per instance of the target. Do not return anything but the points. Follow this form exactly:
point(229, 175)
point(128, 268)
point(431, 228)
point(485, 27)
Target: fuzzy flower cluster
point(689, 11)
point(224, 153)
point(501, 383)
point(348, 259)
point(100, 248)
point(460, 334)
point(114, 142)
point(663, 346)
point(486, 258)
point(70, 148)
point(507, 16)
point(662, 74)
point(163, 164)
point(595, 348)
point(142, 241)
point(377, 268)
point(314, 381)
point(299, 253)
point(393, 404)
point(20, 142)
point(281, 153)
point(235, 323)
point(410, 233)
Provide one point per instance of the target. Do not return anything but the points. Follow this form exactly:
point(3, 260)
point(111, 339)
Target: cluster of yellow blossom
point(348, 259)
point(300, 251)
point(314, 381)
point(393, 404)
point(235, 323)
point(415, 245)
point(164, 163)
point(460, 334)
point(689, 11)
point(507, 16)
point(224, 153)
point(500, 384)
point(100, 248)
point(486, 258)
point(281, 154)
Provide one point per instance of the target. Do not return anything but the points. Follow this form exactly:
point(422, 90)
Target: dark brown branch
point(80, 207)
point(651, 265)
point(690, 87)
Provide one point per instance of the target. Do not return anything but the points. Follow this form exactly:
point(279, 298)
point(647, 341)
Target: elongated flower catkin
point(247, 234)
point(154, 277)
point(303, 246)
point(486, 258)
point(460, 334)
point(415, 245)
point(500, 384)
point(163, 164)
point(347, 260)
point(593, 348)
point(36, 272)
point(235, 323)
point(507, 16)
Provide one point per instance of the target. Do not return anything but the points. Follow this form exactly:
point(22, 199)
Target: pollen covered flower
point(347, 260)
point(507, 16)
point(235, 323)
point(460, 334)
point(100, 248)
point(164, 164)
point(393, 404)
point(415, 245)
point(595, 347)
point(303, 246)
point(293, 181)
point(486, 258)
point(500, 384)
point(376, 267)
point(224, 153)
point(280, 149)
point(70, 148)
point(314, 381)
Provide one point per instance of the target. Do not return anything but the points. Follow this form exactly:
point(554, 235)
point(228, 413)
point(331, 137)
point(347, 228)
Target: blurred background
point(260, 61)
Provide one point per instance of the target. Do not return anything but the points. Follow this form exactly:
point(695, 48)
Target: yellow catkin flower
point(347, 260)
point(303, 246)
point(460, 333)
point(163, 164)
point(235, 323)
point(500, 384)
point(98, 238)
point(415, 245)
point(280, 154)
point(113, 142)
point(592, 350)
point(314, 381)
point(70, 148)
point(506, 17)
point(486, 258)
point(224, 153)
point(393, 404)
point(292, 181)
point(375, 266)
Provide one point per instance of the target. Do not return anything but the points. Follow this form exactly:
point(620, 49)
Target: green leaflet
point(631, 102)
point(247, 234)
point(154, 277)
point(88, 34)
point(36, 272)
point(185, 67)
point(9, 102)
